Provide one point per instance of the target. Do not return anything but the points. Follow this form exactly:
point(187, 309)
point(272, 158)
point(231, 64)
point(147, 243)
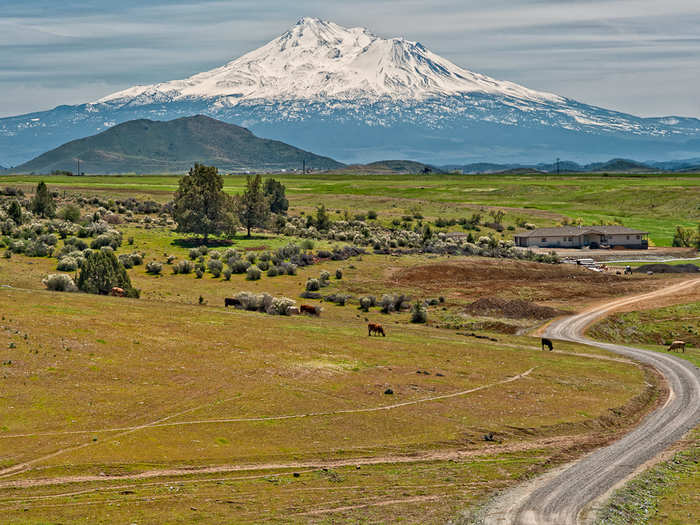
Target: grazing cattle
point(228, 301)
point(374, 328)
point(677, 345)
point(117, 292)
point(547, 343)
point(293, 310)
point(308, 309)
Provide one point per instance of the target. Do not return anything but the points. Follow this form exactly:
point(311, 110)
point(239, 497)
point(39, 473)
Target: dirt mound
point(514, 309)
point(465, 272)
point(668, 268)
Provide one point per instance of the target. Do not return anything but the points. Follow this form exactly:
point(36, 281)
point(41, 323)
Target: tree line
point(201, 207)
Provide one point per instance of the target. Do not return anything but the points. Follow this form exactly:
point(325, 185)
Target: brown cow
point(117, 292)
point(374, 328)
point(308, 309)
point(677, 345)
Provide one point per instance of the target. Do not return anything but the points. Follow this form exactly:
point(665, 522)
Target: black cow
point(548, 343)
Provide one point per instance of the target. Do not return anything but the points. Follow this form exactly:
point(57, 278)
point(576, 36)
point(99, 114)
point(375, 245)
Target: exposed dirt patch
point(557, 285)
point(513, 309)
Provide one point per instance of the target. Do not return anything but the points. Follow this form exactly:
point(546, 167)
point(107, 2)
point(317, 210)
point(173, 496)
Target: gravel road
point(569, 495)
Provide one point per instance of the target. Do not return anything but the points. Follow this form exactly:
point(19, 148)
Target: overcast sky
point(638, 56)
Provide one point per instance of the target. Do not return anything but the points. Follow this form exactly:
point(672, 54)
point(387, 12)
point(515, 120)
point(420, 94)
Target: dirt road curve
point(568, 496)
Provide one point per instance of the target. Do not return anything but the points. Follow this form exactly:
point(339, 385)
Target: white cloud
point(640, 56)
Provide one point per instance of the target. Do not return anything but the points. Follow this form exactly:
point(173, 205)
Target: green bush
point(70, 213)
point(307, 244)
point(101, 272)
point(272, 271)
point(227, 274)
point(112, 239)
point(371, 214)
point(199, 272)
point(339, 274)
point(313, 285)
point(194, 253)
point(419, 313)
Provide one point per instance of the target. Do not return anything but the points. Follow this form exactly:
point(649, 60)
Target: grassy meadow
point(655, 203)
point(172, 408)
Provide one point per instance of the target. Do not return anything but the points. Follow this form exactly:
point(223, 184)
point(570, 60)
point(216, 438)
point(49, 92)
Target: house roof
point(573, 231)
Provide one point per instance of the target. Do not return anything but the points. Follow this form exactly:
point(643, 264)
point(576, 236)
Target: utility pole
point(558, 169)
point(303, 169)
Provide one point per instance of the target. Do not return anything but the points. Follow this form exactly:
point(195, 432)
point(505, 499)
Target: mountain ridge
point(350, 95)
point(148, 146)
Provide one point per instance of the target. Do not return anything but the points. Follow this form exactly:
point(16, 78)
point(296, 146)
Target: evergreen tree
point(252, 206)
point(323, 221)
point(15, 211)
point(200, 205)
point(42, 203)
point(275, 192)
point(101, 272)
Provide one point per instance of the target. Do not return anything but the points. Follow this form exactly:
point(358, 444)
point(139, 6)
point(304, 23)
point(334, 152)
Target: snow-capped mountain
point(318, 60)
point(352, 95)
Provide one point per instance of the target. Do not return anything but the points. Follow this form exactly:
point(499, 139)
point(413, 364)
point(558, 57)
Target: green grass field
point(163, 410)
point(172, 408)
point(655, 203)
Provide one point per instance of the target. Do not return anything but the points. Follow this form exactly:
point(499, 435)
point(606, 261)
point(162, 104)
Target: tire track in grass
point(160, 423)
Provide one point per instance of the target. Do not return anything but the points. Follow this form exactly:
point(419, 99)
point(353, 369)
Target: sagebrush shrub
point(215, 267)
point(339, 274)
point(239, 265)
point(154, 267)
point(313, 285)
point(253, 273)
point(67, 264)
point(365, 304)
point(60, 282)
point(183, 266)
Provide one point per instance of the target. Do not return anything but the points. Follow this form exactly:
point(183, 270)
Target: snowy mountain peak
point(317, 60)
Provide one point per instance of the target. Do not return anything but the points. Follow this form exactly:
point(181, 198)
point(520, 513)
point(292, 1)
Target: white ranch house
point(584, 237)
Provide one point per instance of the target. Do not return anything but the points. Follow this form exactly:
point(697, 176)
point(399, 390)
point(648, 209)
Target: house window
point(639, 237)
point(628, 237)
point(544, 239)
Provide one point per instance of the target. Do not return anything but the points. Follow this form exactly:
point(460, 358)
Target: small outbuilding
point(584, 237)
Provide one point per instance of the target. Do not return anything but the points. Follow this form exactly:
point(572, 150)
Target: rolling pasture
point(654, 203)
point(172, 408)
